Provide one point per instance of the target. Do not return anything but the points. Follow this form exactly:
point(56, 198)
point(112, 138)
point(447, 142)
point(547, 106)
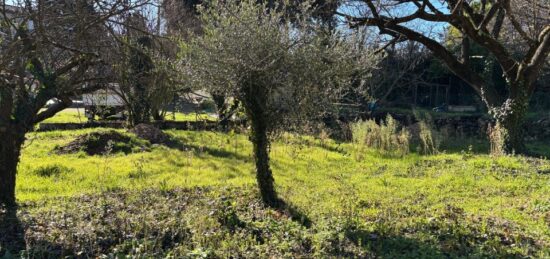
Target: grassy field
point(448, 205)
point(76, 115)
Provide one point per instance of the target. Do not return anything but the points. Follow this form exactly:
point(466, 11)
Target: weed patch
point(51, 170)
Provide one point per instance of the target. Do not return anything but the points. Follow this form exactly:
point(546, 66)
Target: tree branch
point(62, 103)
point(539, 55)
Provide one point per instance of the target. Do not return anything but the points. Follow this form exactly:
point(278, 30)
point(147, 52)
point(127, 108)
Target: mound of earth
point(150, 133)
point(104, 142)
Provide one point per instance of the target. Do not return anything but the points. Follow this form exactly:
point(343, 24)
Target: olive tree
point(182, 18)
point(283, 71)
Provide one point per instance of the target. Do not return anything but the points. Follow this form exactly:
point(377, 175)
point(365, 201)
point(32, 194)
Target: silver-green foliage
point(295, 65)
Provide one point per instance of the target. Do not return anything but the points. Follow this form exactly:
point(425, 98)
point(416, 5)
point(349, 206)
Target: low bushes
point(392, 139)
point(388, 137)
point(232, 222)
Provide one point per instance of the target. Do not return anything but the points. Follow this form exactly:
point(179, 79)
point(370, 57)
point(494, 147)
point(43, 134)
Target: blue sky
point(431, 29)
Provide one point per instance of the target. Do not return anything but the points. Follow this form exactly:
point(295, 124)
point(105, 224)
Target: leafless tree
point(489, 23)
point(50, 50)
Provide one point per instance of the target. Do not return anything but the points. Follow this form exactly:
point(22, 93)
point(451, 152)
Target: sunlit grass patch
point(77, 115)
point(382, 196)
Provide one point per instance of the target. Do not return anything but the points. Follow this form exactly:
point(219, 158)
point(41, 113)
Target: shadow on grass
point(390, 246)
point(293, 213)
point(12, 233)
point(175, 143)
point(332, 148)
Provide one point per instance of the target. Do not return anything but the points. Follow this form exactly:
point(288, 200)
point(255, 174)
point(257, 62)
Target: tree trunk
point(157, 114)
point(512, 117)
point(254, 101)
point(10, 149)
point(222, 110)
point(140, 113)
point(264, 175)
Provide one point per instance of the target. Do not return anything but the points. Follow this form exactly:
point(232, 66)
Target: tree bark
point(222, 110)
point(10, 150)
point(140, 111)
point(511, 116)
point(264, 176)
point(157, 114)
point(254, 101)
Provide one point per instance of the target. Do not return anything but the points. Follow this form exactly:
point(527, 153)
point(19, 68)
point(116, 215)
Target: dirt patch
point(150, 133)
point(104, 142)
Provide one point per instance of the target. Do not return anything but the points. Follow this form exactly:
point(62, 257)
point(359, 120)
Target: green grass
point(76, 115)
point(454, 204)
point(70, 115)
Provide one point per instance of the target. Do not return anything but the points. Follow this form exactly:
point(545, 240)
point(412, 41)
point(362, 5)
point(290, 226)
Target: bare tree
point(49, 50)
point(481, 24)
point(398, 71)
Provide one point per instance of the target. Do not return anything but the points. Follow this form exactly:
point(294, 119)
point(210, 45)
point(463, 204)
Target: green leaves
point(299, 66)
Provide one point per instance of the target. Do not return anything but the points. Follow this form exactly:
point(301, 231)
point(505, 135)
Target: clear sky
point(431, 29)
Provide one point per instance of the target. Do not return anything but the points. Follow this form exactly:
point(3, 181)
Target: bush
point(104, 143)
point(429, 137)
point(388, 136)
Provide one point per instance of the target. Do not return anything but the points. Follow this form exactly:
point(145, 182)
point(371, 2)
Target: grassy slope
point(440, 201)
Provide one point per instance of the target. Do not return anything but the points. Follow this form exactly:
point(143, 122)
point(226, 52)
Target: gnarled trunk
point(514, 136)
point(264, 176)
point(225, 110)
point(221, 108)
point(10, 150)
point(254, 101)
point(511, 116)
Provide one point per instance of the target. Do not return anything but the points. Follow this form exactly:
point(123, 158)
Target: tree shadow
point(331, 148)
point(293, 213)
point(12, 233)
point(392, 246)
point(175, 143)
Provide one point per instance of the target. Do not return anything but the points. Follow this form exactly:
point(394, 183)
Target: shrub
point(388, 136)
point(104, 143)
point(429, 137)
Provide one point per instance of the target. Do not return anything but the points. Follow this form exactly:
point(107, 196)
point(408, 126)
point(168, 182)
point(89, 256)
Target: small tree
point(144, 69)
point(282, 73)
